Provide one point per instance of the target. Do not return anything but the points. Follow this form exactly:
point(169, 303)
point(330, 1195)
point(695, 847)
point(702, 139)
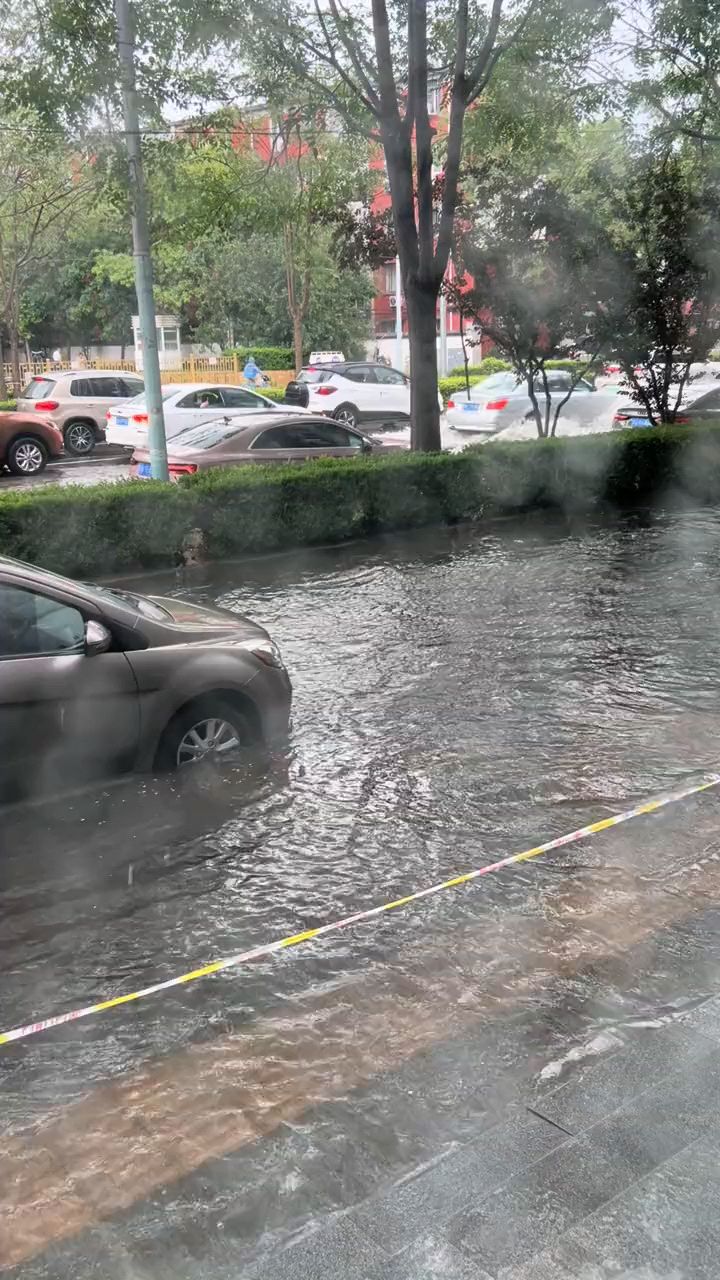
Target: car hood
point(202, 623)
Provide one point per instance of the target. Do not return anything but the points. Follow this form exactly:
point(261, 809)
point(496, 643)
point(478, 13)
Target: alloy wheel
point(80, 438)
point(208, 737)
point(29, 457)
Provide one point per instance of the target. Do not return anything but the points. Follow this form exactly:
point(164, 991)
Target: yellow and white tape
point(294, 940)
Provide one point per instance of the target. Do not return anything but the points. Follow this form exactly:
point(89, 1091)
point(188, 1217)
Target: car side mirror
point(367, 446)
point(97, 638)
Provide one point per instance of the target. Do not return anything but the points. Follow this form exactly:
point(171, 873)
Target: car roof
point(86, 373)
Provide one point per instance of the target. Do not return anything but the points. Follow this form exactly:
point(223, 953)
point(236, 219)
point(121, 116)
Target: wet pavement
point(518, 1078)
point(107, 463)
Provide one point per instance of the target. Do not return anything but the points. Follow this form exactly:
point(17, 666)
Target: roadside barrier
point(295, 939)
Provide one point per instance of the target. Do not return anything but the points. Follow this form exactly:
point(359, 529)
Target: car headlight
point(269, 653)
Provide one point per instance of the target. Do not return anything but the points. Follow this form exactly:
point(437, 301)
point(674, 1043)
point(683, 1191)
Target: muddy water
point(458, 696)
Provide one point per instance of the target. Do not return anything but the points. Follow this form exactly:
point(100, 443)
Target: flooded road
point(459, 696)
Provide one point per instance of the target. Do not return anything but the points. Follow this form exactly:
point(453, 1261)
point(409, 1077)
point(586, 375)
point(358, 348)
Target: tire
point(26, 456)
point(79, 438)
point(348, 414)
point(177, 743)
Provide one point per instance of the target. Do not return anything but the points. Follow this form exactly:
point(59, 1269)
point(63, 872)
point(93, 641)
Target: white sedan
point(186, 405)
point(501, 402)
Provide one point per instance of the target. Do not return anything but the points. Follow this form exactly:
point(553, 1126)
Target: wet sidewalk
point(570, 1141)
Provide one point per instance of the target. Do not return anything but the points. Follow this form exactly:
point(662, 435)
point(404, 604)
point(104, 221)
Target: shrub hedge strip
point(112, 527)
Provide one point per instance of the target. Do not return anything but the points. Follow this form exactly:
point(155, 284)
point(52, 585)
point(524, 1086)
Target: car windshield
point(496, 382)
point(147, 608)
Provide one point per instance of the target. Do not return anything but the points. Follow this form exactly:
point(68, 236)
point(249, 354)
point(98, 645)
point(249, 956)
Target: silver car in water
point(501, 401)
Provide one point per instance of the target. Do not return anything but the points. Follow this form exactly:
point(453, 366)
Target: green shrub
point(112, 527)
point(448, 386)
point(272, 393)
point(266, 357)
point(6, 406)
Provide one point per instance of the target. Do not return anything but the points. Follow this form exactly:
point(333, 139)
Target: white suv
point(358, 391)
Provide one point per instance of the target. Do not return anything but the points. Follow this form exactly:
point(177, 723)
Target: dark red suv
point(27, 441)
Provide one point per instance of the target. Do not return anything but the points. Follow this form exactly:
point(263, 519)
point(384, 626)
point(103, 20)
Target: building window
point(434, 99)
point(389, 278)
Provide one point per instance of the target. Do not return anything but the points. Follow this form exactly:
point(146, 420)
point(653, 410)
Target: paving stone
point(705, 1018)
point(662, 1120)
point(338, 1251)
point(595, 1093)
point(430, 1259)
point(468, 1083)
point(669, 1222)
point(366, 1142)
point(535, 1208)
point(396, 1218)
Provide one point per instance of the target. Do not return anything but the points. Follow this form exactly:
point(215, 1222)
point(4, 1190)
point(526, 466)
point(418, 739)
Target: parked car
point(501, 401)
point(186, 405)
point(359, 391)
point(700, 403)
point(95, 680)
point(27, 442)
point(229, 443)
point(78, 402)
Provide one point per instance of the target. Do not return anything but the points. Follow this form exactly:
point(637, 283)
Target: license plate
point(639, 422)
point(470, 408)
point(120, 422)
point(144, 470)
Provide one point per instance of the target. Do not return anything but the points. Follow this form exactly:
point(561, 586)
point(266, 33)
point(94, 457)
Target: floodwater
point(459, 695)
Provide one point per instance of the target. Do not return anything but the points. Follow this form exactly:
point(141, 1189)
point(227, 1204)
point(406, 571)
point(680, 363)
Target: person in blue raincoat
point(251, 372)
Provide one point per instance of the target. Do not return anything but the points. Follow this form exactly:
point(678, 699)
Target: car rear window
point(209, 434)
point(38, 389)
point(314, 375)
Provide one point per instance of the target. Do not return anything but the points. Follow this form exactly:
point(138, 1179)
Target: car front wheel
point(347, 414)
point(79, 438)
point(26, 456)
point(210, 729)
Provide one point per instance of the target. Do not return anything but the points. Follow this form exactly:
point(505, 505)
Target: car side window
point(360, 373)
point(80, 387)
point(389, 377)
point(107, 388)
point(133, 387)
point(206, 398)
point(321, 435)
point(32, 625)
point(276, 438)
point(238, 398)
point(558, 382)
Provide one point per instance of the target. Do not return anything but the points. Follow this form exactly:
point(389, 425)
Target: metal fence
point(195, 369)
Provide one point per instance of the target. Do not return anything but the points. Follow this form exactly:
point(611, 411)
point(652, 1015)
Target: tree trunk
point(424, 409)
point(15, 358)
point(298, 340)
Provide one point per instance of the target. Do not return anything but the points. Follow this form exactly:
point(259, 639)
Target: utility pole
point(141, 242)
point(398, 317)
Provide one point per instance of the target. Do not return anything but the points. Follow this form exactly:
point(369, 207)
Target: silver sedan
point(501, 401)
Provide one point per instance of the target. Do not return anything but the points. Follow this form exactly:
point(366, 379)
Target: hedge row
point(114, 527)
point(266, 357)
point(7, 405)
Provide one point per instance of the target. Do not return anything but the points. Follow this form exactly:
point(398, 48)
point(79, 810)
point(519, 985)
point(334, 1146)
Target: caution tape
point(295, 939)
